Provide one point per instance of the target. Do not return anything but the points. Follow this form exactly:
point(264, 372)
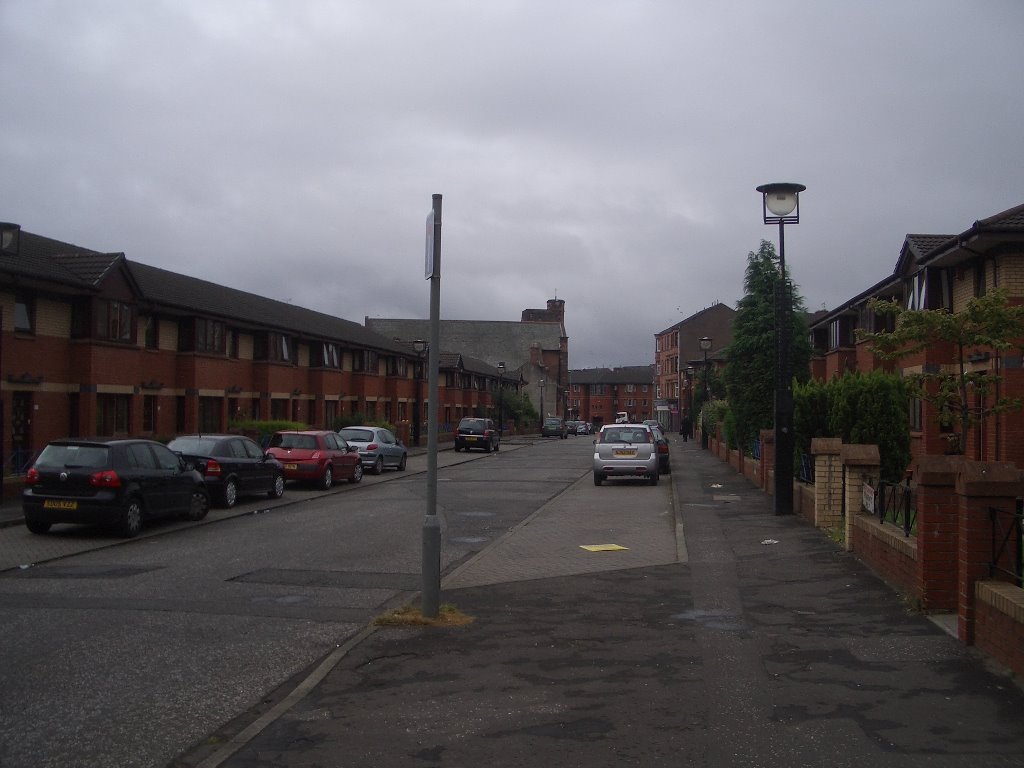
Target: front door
point(21, 429)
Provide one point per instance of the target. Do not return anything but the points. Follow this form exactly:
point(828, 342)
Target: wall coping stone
point(934, 469)
point(822, 446)
point(989, 478)
point(859, 455)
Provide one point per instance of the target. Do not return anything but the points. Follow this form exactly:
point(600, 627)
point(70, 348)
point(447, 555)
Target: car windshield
point(198, 446)
point(293, 441)
point(90, 456)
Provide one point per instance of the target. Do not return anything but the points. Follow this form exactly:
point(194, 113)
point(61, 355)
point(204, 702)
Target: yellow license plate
point(291, 466)
point(626, 453)
point(59, 504)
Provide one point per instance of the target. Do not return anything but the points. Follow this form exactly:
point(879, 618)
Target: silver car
point(378, 448)
point(625, 450)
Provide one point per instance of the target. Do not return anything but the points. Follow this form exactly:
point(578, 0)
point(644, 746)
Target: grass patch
point(409, 616)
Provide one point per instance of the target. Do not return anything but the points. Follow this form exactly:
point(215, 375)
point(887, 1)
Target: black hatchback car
point(477, 433)
point(233, 466)
point(111, 482)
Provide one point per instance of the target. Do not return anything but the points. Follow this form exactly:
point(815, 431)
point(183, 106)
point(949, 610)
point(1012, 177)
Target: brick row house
point(597, 394)
point(95, 344)
point(677, 349)
point(940, 272)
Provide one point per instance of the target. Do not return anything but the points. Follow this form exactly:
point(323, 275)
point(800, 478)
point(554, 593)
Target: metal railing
point(755, 448)
point(18, 462)
point(895, 502)
point(1007, 542)
point(807, 468)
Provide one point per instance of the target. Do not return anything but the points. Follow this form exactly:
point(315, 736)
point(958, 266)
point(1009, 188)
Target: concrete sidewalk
point(752, 641)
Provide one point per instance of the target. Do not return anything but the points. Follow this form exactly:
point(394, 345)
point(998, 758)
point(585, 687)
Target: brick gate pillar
point(979, 487)
point(937, 512)
point(861, 464)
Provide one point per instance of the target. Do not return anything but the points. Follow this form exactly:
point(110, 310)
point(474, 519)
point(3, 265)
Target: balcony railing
point(1007, 543)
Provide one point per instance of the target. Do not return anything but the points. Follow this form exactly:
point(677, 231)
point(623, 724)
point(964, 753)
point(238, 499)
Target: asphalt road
point(129, 653)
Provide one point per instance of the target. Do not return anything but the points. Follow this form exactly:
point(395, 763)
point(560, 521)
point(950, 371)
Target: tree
point(750, 367)
point(986, 323)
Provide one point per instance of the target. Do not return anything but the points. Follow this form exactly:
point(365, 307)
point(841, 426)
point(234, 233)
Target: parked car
point(664, 466)
point(118, 483)
point(232, 465)
point(378, 448)
point(554, 427)
point(475, 432)
point(583, 428)
point(316, 456)
point(625, 450)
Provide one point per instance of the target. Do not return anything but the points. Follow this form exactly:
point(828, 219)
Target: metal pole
point(431, 571)
point(783, 390)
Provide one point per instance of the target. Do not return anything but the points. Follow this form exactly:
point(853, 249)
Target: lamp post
point(420, 347)
point(780, 204)
point(501, 399)
point(10, 243)
point(705, 346)
point(541, 401)
point(690, 414)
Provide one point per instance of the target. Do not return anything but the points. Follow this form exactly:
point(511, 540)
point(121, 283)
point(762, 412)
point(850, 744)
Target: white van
point(622, 417)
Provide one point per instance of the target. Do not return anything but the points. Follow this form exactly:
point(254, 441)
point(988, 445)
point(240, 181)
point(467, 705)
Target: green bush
point(858, 408)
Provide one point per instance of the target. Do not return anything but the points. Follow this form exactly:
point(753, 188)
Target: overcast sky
point(602, 152)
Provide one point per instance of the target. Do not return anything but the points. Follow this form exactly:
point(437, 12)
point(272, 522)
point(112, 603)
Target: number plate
point(291, 466)
point(59, 504)
point(625, 453)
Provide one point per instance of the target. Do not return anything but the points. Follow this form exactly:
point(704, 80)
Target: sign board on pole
point(868, 499)
point(429, 263)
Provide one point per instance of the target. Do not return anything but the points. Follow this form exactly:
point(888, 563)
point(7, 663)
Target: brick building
point(940, 272)
point(95, 344)
point(677, 348)
point(597, 394)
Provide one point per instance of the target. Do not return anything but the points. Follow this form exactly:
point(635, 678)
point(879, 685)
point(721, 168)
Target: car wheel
point(653, 478)
point(198, 505)
point(277, 491)
point(229, 495)
point(36, 526)
point(327, 480)
point(357, 472)
point(402, 462)
point(598, 478)
point(488, 447)
point(457, 448)
point(131, 519)
point(497, 446)
point(378, 465)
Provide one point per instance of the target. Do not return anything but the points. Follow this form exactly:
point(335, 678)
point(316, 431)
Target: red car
point(317, 456)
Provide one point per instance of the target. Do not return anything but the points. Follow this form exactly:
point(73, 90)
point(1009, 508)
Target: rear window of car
point(473, 424)
point(358, 435)
point(553, 422)
point(293, 441)
point(88, 456)
point(625, 436)
point(197, 446)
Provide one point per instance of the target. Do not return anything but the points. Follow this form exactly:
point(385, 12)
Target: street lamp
point(705, 344)
point(420, 347)
point(542, 401)
point(501, 398)
point(780, 204)
point(688, 428)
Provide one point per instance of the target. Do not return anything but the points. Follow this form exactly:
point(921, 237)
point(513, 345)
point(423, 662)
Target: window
point(396, 366)
point(112, 414)
point(24, 313)
point(114, 321)
point(364, 361)
point(211, 336)
point(916, 418)
point(151, 333)
point(326, 355)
